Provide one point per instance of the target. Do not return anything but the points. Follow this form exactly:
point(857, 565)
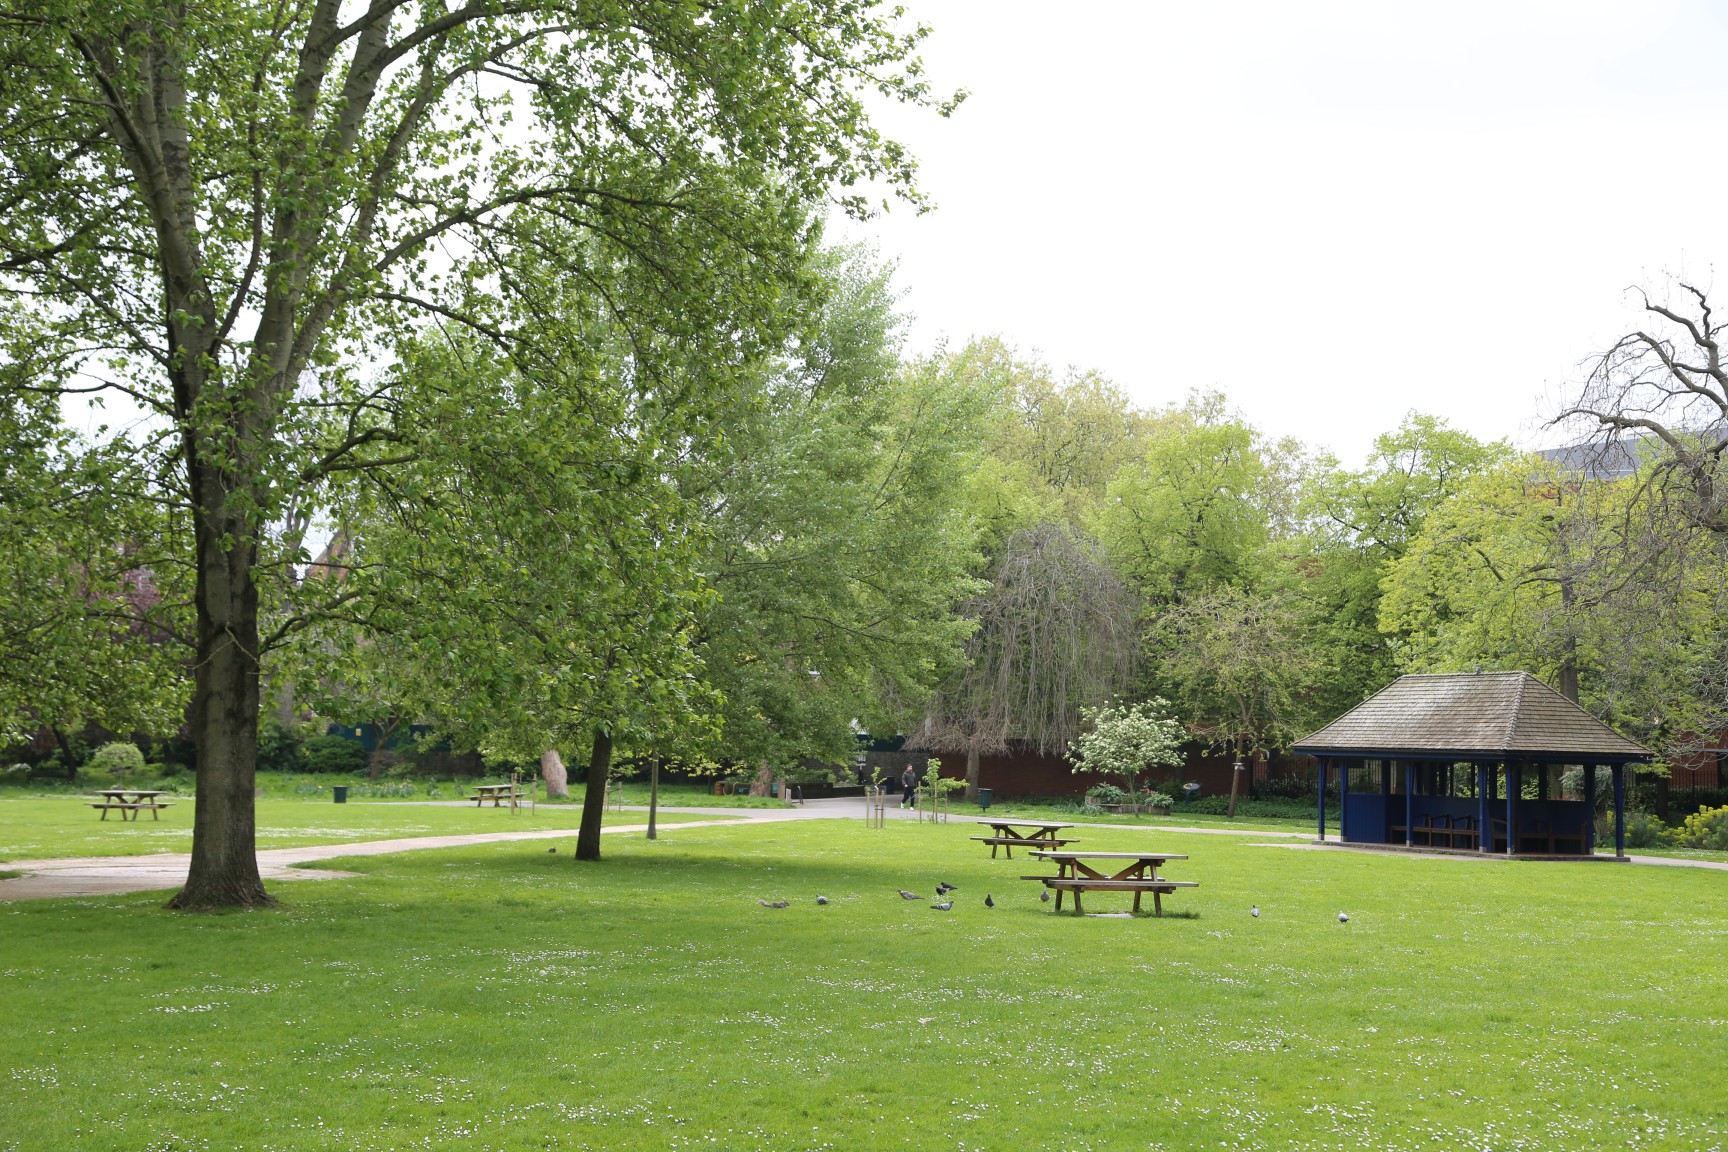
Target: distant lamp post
point(1235, 786)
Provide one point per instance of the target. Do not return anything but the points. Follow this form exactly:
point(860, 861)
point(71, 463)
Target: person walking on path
point(908, 782)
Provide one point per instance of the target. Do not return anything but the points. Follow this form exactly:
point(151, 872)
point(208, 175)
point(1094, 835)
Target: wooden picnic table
point(130, 800)
point(1012, 834)
point(497, 793)
point(1135, 872)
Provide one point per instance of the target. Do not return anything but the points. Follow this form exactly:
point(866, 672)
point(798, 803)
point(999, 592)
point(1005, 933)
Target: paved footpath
point(113, 875)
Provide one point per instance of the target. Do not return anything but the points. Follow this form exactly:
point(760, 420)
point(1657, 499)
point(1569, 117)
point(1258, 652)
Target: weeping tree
point(1055, 633)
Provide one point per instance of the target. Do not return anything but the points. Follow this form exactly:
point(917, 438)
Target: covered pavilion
point(1446, 761)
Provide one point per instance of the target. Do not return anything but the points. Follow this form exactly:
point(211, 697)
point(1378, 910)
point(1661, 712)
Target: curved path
point(112, 875)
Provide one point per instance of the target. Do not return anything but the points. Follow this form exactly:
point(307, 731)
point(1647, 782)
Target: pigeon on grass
point(945, 906)
point(775, 904)
point(1254, 911)
point(1044, 895)
point(944, 888)
point(989, 901)
point(905, 895)
point(1343, 918)
point(821, 899)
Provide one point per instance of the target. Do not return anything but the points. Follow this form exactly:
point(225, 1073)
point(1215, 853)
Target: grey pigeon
point(821, 899)
point(776, 904)
point(1343, 919)
point(944, 888)
point(944, 906)
point(989, 901)
point(1044, 895)
point(905, 895)
point(551, 850)
point(1254, 911)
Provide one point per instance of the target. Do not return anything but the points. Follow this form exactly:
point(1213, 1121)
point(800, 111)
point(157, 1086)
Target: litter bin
point(984, 798)
point(341, 791)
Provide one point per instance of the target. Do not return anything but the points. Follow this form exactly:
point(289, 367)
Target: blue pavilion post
point(1589, 809)
point(1385, 803)
point(1325, 765)
point(1343, 801)
point(1483, 841)
point(1409, 804)
point(1619, 809)
point(1514, 785)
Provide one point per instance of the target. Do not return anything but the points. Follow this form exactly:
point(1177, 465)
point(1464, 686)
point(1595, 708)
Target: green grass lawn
point(503, 998)
point(33, 828)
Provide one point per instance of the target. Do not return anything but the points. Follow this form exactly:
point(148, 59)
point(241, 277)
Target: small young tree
point(116, 760)
point(1127, 739)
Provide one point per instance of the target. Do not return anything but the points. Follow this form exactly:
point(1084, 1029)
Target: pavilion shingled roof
point(1473, 716)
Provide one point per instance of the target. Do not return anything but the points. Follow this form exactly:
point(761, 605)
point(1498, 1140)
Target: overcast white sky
point(1335, 212)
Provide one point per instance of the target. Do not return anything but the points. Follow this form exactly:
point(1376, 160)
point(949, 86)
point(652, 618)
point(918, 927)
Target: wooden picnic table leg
point(1157, 904)
point(1078, 911)
point(1136, 899)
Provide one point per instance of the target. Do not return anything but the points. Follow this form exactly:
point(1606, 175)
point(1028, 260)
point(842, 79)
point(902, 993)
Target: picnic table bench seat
point(132, 806)
point(1074, 885)
point(1013, 842)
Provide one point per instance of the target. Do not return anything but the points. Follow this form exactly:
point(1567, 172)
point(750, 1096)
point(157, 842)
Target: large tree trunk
point(552, 773)
point(762, 785)
point(594, 796)
point(225, 699)
point(972, 775)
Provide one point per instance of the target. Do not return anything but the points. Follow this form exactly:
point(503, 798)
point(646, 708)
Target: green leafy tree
point(837, 535)
point(1361, 523)
point(1241, 666)
point(117, 759)
point(231, 215)
point(1191, 512)
point(88, 607)
point(1531, 566)
point(1056, 442)
point(529, 579)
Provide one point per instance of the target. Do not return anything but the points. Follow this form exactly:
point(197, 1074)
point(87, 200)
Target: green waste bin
point(984, 798)
point(341, 791)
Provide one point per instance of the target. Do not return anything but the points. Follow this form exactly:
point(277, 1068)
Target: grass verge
point(40, 828)
point(501, 998)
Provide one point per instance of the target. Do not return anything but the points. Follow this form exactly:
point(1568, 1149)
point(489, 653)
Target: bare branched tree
point(1056, 633)
point(1659, 397)
point(1655, 409)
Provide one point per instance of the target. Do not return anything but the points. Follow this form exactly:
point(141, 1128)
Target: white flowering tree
point(1124, 740)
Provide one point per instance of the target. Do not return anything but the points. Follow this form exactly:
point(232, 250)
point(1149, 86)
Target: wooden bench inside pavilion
point(1487, 762)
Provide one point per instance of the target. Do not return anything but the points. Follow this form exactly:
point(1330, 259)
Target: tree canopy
point(241, 217)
